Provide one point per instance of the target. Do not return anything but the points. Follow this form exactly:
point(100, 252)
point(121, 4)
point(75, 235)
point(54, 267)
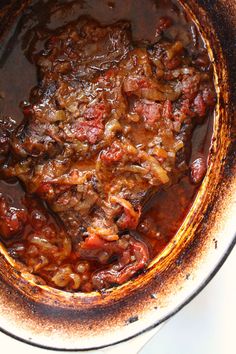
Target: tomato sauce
point(106, 116)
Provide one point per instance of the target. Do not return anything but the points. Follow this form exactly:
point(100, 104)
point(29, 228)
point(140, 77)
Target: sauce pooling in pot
point(102, 161)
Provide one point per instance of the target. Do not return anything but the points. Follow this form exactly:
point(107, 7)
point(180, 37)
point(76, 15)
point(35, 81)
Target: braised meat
point(108, 125)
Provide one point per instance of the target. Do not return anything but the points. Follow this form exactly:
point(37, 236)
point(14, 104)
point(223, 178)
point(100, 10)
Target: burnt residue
point(215, 243)
point(222, 15)
point(230, 170)
point(132, 319)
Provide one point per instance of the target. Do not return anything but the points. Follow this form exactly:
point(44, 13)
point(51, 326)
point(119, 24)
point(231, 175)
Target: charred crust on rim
point(132, 319)
point(215, 243)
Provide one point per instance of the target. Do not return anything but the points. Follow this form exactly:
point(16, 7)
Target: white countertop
point(205, 326)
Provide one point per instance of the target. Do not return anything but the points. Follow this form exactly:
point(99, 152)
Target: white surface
point(205, 326)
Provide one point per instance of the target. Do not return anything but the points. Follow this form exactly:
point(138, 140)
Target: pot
point(51, 318)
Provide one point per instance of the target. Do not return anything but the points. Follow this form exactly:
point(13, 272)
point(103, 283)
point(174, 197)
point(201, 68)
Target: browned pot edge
point(115, 309)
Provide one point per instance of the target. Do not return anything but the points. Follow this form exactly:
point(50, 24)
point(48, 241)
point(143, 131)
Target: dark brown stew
point(101, 168)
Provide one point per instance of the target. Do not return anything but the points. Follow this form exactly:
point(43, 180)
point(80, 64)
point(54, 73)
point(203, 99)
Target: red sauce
point(106, 123)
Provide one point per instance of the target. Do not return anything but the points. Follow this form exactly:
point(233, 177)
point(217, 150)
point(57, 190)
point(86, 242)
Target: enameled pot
point(54, 319)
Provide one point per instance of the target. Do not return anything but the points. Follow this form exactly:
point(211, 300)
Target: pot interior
point(188, 238)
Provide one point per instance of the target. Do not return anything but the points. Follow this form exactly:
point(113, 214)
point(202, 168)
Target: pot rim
point(171, 314)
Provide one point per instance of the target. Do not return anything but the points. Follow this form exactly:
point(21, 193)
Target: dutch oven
point(51, 318)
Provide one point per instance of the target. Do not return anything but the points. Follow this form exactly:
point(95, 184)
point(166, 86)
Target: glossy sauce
point(18, 75)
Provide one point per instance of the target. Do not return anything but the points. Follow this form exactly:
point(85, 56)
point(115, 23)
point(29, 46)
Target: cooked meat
point(108, 125)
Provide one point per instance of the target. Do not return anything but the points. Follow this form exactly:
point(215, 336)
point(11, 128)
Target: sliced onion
point(155, 167)
point(106, 234)
point(43, 243)
point(43, 261)
point(133, 169)
point(85, 205)
point(178, 145)
point(62, 277)
point(125, 204)
point(176, 48)
point(154, 94)
point(182, 71)
point(76, 281)
point(165, 88)
point(111, 128)
point(66, 251)
point(74, 177)
point(59, 116)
